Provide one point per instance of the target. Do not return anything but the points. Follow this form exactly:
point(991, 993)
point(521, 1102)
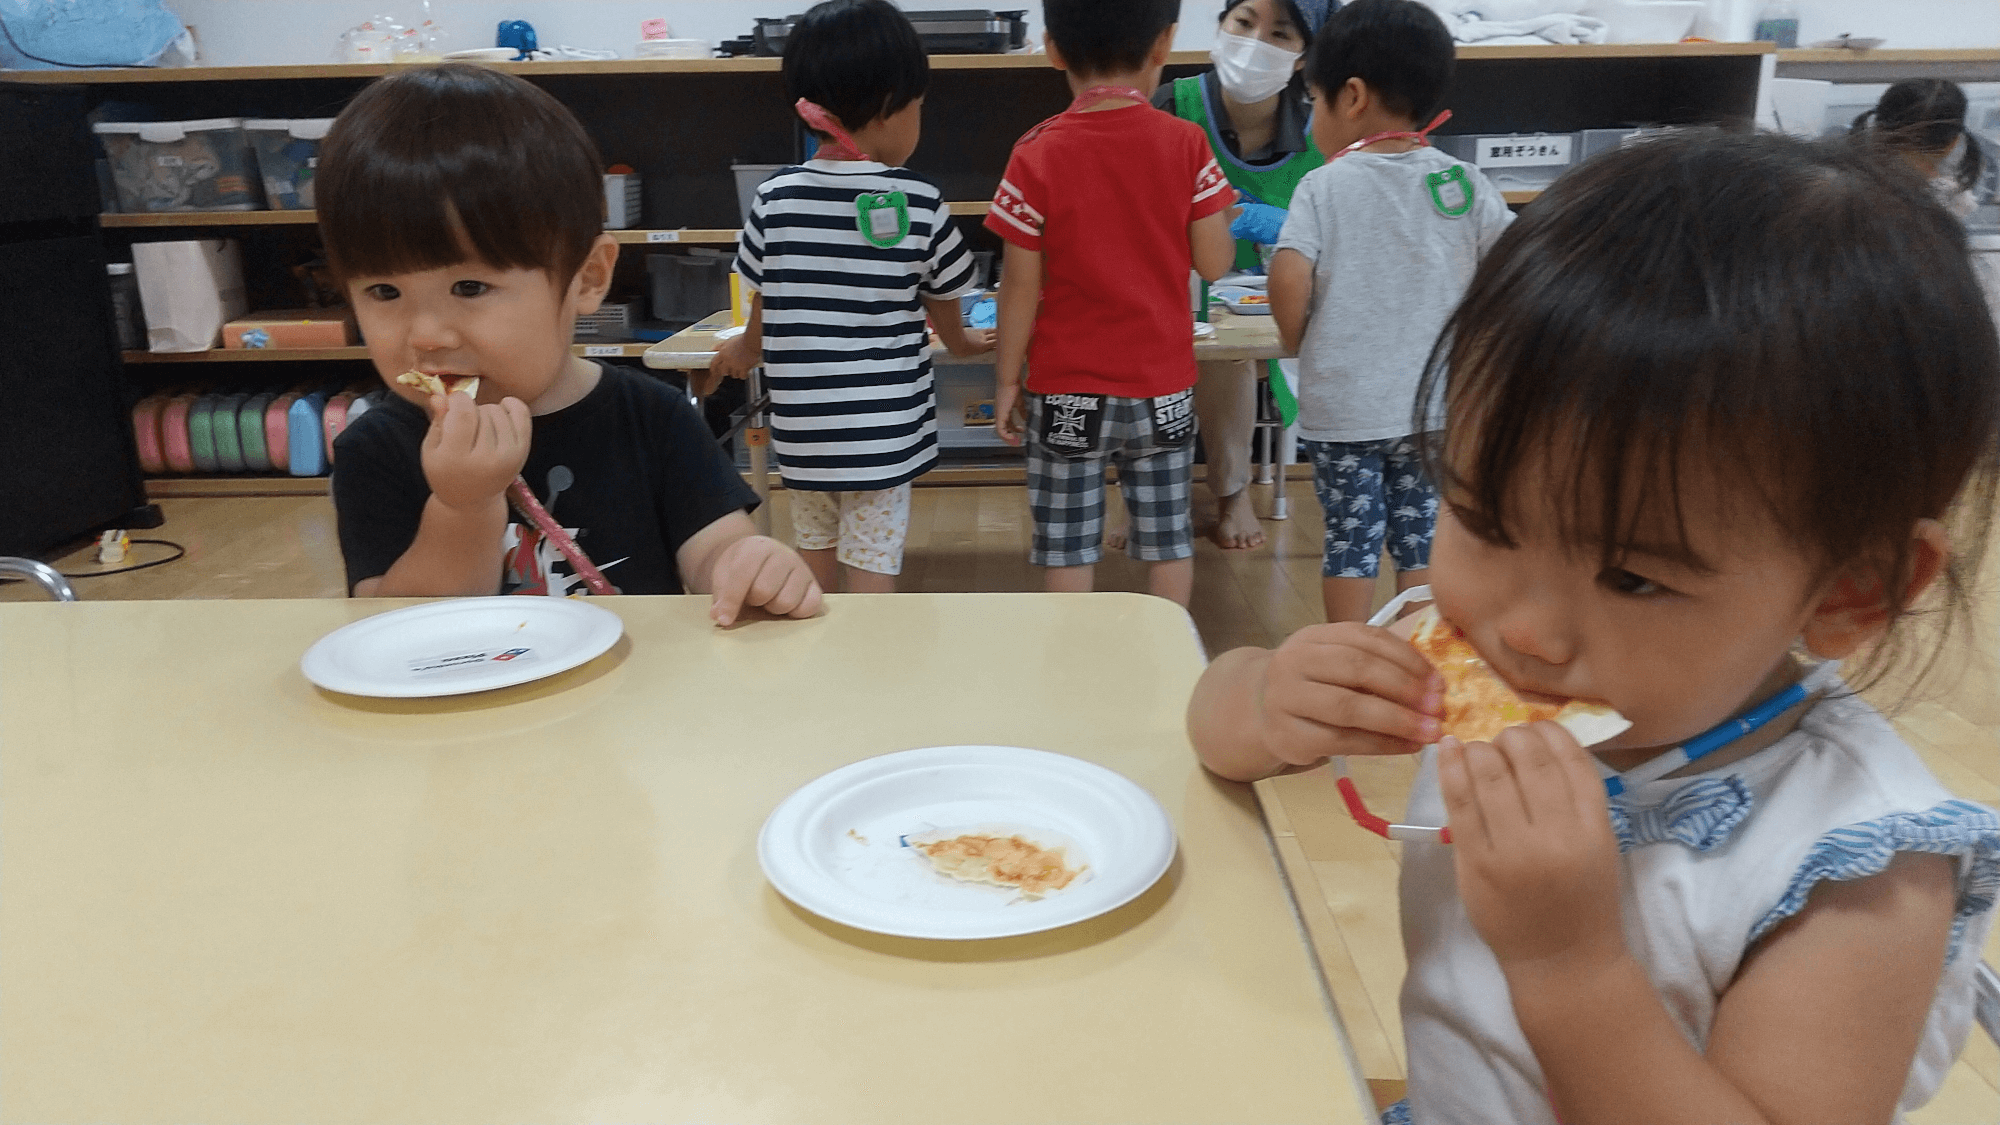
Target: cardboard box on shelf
point(291, 328)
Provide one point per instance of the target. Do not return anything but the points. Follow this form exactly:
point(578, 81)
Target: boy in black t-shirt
point(462, 211)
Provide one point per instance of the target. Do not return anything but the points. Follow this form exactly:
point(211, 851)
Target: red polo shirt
point(1106, 198)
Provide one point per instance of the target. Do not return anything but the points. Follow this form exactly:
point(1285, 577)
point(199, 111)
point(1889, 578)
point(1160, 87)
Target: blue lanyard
point(1720, 735)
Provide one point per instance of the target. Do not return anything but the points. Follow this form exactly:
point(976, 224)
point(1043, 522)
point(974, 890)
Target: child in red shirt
point(1105, 208)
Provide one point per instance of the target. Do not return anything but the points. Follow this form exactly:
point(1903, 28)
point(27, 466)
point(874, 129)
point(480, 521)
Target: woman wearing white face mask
point(1255, 109)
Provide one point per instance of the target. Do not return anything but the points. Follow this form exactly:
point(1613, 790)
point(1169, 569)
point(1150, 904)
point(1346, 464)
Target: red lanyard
point(524, 500)
point(1421, 136)
point(1104, 93)
point(842, 146)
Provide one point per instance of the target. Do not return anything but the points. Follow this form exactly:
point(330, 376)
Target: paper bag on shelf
point(189, 290)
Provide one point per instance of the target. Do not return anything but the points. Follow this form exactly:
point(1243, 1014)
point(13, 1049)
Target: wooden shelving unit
point(611, 67)
point(155, 220)
point(1890, 65)
point(660, 117)
point(305, 355)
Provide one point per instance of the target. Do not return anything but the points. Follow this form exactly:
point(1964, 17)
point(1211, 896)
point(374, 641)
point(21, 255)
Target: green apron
point(1273, 184)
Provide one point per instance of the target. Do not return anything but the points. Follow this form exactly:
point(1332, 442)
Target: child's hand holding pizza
point(1536, 857)
point(1347, 688)
point(473, 452)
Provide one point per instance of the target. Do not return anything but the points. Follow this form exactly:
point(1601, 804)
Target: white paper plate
point(835, 846)
point(459, 646)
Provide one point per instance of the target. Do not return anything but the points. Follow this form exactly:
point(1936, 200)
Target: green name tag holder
point(1451, 191)
point(883, 219)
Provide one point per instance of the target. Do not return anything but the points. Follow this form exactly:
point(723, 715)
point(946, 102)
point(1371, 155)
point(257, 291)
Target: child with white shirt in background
point(1379, 245)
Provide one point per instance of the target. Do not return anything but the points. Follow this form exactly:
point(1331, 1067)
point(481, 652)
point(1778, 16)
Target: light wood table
point(230, 897)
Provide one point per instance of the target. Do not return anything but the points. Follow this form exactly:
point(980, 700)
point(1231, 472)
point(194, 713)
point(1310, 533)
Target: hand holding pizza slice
point(1478, 704)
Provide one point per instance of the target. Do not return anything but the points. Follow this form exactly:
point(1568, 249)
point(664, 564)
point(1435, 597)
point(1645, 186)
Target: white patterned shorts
point(867, 527)
point(1373, 492)
point(1066, 497)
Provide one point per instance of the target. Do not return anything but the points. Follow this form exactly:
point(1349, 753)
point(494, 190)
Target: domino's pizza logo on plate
point(511, 654)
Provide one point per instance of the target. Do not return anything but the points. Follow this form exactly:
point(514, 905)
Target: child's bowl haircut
point(1399, 48)
point(857, 59)
point(1802, 316)
point(435, 166)
point(1099, 37)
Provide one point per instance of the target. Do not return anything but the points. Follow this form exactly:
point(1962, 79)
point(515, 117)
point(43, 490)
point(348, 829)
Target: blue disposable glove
point(1259, 222)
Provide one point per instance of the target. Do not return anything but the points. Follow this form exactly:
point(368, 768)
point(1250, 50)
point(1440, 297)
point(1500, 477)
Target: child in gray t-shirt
point(1379, 247)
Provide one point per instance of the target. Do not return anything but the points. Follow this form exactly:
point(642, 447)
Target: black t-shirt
point(631, 471)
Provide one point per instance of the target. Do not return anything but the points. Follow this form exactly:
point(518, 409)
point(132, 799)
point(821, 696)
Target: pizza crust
point(1478, 704)
point(467, 385)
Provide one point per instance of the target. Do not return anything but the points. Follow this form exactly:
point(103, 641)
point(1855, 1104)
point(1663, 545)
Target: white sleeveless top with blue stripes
point(1712, 862)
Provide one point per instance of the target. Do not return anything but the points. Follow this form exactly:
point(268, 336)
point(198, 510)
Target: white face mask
point(1250, 69)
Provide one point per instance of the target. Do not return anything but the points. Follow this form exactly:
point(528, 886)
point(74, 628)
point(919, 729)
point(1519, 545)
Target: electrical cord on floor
point(179, 553)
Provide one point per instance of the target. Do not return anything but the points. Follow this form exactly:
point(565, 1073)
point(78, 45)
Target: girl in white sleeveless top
point(1711, 403)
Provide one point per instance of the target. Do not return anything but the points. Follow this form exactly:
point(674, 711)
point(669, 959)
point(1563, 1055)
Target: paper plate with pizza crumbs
point(869, 844)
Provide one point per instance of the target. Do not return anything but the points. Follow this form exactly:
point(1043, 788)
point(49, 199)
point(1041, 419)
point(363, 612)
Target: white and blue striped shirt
point(846, 346)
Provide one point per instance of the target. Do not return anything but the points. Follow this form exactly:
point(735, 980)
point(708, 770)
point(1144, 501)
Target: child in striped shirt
point(846, 254)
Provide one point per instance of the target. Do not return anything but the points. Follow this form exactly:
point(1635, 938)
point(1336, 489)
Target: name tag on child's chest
point(883, 218)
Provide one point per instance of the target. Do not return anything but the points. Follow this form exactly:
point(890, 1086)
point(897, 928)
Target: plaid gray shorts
point(1066, 497)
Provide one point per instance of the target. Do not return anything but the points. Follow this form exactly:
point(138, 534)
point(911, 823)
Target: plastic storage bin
point(287, 158)
point(1517, 161)
point(748, 177)
point(181, 165)
point(688, 287)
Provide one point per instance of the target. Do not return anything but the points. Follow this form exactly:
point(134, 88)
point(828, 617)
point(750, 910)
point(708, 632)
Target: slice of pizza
point(1002, 861)
point(1478, 704)
point(467, 385)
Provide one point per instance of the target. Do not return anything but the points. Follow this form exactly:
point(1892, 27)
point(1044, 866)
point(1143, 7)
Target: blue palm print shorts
point(1374, 493)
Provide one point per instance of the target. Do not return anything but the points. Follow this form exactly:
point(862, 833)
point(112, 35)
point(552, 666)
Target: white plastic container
point(201, 165)
point(748, 176)
point(189, 291)
point(1728, 21)
point(690, 286)
point(1519, 161)
point(621, 200)
point(287, 158)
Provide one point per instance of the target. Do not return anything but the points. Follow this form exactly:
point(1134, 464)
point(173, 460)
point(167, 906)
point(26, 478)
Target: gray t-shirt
point(1389, 267)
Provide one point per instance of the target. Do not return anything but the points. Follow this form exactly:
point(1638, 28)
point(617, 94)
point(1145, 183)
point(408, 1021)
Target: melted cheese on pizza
point(1478, 704)
point(1003, 861)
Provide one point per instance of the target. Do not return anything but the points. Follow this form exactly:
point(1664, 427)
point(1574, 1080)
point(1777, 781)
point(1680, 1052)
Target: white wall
point(1904, 23)
point(251, 32)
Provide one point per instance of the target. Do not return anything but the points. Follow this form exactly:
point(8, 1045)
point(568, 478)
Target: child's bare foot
point(1236, 527)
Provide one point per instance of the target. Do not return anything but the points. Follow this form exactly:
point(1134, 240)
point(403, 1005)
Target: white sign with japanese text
point(1522, 152)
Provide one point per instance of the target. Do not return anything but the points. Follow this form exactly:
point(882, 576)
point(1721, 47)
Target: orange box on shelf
point(291, 328)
